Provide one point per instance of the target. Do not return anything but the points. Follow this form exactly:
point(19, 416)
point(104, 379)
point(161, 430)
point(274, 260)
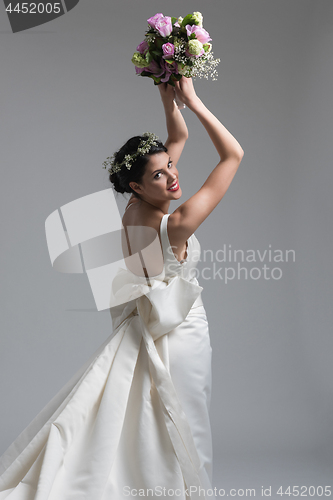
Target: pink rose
point(164, 26)
point(153, 20)
point(200, 33)
point(143, 47)
point(168, 50)
point(169, 70)
point(163, 71)
point(155, 69)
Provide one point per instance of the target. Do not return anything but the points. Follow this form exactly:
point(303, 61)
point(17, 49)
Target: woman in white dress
point(134, 420)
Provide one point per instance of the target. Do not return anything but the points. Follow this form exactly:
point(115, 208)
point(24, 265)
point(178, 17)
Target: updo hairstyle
point(123, 177)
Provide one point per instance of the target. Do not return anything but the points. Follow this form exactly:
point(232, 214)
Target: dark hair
point(123, 177)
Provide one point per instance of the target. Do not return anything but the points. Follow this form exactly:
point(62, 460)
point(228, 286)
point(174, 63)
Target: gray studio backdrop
point(70, 98)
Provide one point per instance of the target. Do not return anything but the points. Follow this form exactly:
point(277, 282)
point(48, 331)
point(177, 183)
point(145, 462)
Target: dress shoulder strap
point(164, 233)
point(129, 205)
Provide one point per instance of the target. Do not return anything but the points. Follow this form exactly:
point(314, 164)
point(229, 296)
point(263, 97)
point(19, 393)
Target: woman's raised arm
point(176, 126)
point(190, 214)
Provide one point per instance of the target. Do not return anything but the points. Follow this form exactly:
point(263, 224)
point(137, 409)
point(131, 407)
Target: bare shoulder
point(138, 215)
point(141, 226)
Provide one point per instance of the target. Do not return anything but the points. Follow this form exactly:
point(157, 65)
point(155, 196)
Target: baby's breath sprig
point(143, 148)
point(150, 37)
point(205, 67)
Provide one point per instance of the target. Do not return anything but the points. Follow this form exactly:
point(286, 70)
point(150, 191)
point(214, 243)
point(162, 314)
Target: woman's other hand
point(185, 91)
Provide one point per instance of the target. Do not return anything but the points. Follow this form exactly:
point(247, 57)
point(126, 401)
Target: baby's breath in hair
point(143, 148)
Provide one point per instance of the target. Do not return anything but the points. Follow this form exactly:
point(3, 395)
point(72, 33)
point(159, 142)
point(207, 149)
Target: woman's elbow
point(240, 153)
point(185, 135)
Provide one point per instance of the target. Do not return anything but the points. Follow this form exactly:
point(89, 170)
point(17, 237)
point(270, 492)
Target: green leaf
point(156, 80)
point(177, 77)
point(170, 61)
point(158, 43)
point(187, 20)
point(149, 58)
point(174, 20)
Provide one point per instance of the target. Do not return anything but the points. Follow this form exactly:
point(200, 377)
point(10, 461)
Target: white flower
point(198, 17)
point(184, 71)
point(195, 47)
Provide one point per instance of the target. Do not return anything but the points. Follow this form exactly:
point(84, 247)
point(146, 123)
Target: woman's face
point(160, 175)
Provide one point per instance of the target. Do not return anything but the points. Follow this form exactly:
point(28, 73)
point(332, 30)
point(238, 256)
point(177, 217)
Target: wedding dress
point(134, 420)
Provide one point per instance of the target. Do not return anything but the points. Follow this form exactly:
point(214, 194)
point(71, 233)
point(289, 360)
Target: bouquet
point(175, 47)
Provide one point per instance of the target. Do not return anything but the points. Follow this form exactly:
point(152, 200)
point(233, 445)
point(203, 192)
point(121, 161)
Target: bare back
point(135, 241)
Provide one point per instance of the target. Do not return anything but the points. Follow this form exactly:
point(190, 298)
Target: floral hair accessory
point(143, 148)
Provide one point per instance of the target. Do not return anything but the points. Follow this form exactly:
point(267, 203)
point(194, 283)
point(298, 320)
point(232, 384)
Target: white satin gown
point(134, 420)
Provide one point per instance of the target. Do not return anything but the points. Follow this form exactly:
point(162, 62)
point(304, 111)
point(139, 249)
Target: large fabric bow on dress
point(161, 307)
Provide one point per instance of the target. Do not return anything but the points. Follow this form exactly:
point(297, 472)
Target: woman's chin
point(177, 194)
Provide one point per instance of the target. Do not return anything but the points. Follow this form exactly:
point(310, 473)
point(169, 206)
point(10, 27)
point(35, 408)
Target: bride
point(134, 421)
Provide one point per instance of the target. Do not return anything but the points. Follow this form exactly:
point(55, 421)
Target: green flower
point(195, 47)
point(139, 60)
point(184, 70)
point(198, 18)
point(192, 19)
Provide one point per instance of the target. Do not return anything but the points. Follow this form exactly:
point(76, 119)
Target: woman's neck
point(163, 206)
